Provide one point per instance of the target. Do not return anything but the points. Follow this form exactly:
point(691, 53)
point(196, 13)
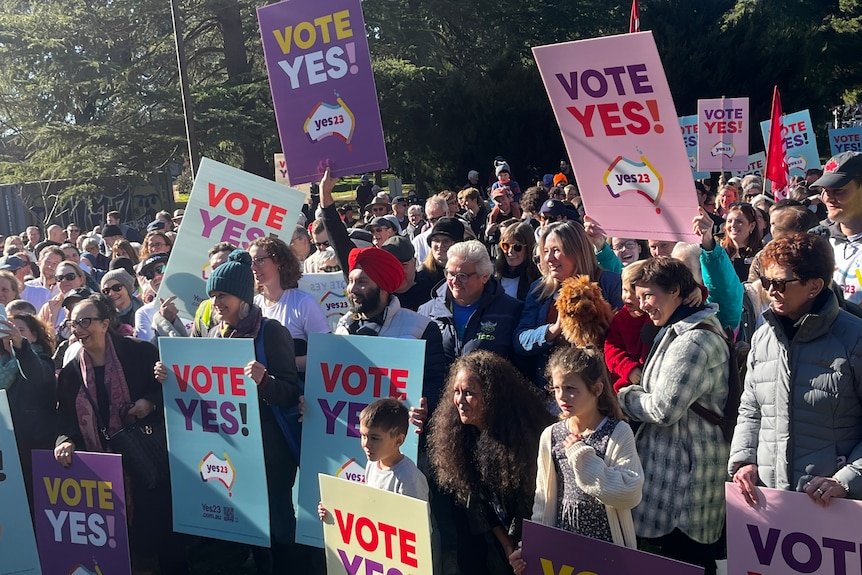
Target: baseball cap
point(387, 220)
point(76, 295)
point(500, 191)
point(554, 208)
point(400, 247)
point(155, 225)
point(153, 261)
point(840, 170)
point(12, 263)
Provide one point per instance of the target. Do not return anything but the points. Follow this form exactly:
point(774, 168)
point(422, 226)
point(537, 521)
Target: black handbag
point(144, 449)
point(142, 444)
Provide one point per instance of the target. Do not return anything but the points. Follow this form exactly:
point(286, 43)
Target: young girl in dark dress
point(589, 475)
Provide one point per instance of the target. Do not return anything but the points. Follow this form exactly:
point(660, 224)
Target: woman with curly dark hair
point(277, 272)
point(482, 447)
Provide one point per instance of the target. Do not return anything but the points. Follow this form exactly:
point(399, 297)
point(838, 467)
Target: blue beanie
point(234, 277)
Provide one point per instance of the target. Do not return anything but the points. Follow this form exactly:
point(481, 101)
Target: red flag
point(635, 19)
point(776, 161)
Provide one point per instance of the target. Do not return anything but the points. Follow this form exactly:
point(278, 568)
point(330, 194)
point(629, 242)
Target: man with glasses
point(159, 317)
point(840, 189)
point(435, 208)
point(470, 307)
point(377, 208)
point(318, 256)
point(73, 232)
point(383, 227)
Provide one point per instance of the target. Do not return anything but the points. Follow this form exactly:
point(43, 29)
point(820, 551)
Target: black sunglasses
point(506, 245)
point(114, 288)
point(777, 285)
point(151, 273)
point(68, 277)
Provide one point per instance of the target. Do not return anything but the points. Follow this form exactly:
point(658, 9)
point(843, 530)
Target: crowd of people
point(570, 378)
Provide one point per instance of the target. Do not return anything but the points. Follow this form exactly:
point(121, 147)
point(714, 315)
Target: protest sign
point(688, 126)
point(322, 88)
point(344, 373)
point(369, 530)
point(756, 166)
point(845, 140)
point(722, 127)
point(616, 114)
point(799, 141)
point(212, 414)
point(81, 514)
point(550, 550)
point(787, 533)
point(17, 540)
point(226, 205)
point(329, 290)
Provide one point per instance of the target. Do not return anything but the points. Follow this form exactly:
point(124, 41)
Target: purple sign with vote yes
point(322, 88)
point(550, 550)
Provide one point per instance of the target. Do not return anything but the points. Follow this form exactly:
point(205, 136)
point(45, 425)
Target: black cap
point(155, 225)
point(153, 261)
point(111, 230)
point(450, 227)
point(840, 170)
point(76, 295)
point(401, 247)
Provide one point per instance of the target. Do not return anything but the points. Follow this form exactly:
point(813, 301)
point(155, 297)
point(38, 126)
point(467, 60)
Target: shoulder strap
point(259, 349)
point(709, 416)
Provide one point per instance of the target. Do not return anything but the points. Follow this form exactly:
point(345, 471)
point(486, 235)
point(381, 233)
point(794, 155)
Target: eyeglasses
point(777, 285)
point(517, 247)
point(151, 273)
point(257, 262)
point(550, 218)
point(68, 277)
point(625, 246)
point(322, 244)
point(114, 288)
point(379, 210)
point(81, 322)
point(442, 242)
point(460, 277)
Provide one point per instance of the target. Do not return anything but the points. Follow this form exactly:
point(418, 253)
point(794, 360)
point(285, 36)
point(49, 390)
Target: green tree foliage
point(91, 89)
point(85, 89)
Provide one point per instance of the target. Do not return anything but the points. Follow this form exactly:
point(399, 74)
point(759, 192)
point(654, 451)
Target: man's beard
point(367, 303)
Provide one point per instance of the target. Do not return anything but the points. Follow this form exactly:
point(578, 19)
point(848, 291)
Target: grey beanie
point(121, 276)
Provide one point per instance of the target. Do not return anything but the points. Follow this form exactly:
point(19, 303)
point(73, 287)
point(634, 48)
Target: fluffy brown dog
point(585, 315)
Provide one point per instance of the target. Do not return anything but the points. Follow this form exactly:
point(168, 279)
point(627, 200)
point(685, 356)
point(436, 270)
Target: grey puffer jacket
point(801, 409)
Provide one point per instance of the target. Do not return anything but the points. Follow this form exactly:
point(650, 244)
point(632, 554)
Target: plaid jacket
point(684, 457)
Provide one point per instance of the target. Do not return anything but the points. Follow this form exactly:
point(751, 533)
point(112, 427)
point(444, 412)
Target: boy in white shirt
point(382, 428)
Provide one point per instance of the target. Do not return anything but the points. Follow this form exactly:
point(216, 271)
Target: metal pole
point(188, 110)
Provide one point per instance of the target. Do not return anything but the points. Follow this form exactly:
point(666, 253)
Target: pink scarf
point(118, 393)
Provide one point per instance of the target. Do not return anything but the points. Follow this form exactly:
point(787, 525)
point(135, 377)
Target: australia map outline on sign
point(330, 120)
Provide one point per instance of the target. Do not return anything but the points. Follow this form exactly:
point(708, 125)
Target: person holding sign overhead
point(231, 290)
